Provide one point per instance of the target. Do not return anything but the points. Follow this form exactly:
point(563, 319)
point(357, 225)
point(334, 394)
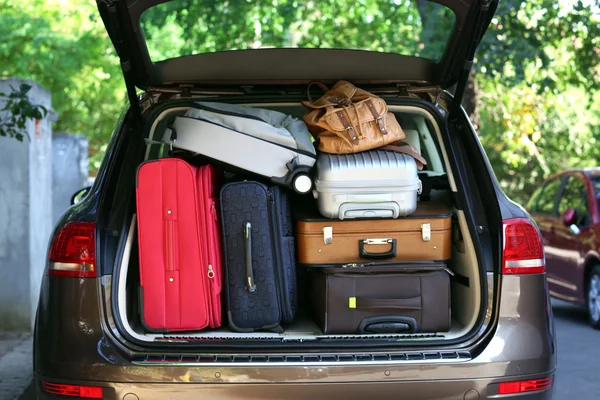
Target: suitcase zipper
point(212, 257)
point(357, 265)
point(373, 267)
point(277, 250)
point(425, 231)
point(204, 210)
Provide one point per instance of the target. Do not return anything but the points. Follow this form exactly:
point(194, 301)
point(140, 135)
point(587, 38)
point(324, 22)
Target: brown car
point(566, 210)
point(89, 339)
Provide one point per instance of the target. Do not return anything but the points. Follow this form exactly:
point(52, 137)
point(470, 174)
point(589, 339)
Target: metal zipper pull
point(449, 271)
point(172, 139)
point(211, 272)
point(213, 211)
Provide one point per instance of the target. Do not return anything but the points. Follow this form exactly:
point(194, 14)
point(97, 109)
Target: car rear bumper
point(521, 347)
point(469, 389)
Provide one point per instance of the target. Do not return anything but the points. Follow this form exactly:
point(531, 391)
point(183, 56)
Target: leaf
point(24, 88)
point(20, 109)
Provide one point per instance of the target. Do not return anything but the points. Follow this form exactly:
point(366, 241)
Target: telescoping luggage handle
point(362, 253)
point(250, 285)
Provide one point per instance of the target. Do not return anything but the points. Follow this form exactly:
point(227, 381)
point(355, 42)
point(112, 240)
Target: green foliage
point(560, 40)
point(18, 109)
point(63, 46)
point(539, 89)
point(184, 27)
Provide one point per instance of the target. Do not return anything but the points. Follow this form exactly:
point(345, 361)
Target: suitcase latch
point(426, 232)
point(328, 234)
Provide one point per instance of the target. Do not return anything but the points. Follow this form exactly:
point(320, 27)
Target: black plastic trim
point(324, 358)
point(142, 319)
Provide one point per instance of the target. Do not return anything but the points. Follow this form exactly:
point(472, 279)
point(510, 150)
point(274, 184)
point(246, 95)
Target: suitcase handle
point(250, 285)
point(362, 253)
point(388, 324)
point(385, 209)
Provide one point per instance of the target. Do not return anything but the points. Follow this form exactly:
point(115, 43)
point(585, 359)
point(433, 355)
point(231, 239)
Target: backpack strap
point(399, 147)
point(319, 84)
point(378, 118)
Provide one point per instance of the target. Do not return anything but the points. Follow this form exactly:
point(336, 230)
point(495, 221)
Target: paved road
point(578, 376)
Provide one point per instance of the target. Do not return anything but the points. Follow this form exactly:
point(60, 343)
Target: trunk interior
point(466, 286)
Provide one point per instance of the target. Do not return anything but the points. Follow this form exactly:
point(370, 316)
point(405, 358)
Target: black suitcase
point(384, 298)
point(259, 257)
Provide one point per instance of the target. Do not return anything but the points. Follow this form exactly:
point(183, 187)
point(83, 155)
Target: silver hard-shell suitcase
point(371, 184)
point(265, 142)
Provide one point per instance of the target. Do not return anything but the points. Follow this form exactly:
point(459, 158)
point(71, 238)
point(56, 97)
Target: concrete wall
point(69, 170)
point(25, 213)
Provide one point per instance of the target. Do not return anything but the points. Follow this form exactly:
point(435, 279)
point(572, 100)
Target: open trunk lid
point(294, 42)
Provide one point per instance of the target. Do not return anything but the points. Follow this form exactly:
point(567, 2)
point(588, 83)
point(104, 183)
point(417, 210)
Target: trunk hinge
point(186, 90)
point(402, 90)
point(110, 14)
point(461, 84)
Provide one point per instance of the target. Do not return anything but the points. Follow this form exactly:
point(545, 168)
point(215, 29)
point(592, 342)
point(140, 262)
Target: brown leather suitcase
point(422, 236)
point(382, 299)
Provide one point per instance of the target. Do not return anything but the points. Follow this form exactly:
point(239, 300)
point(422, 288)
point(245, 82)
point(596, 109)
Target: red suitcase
point(180, 246)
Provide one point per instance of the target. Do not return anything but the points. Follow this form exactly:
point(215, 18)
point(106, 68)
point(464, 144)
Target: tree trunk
point(470, 100)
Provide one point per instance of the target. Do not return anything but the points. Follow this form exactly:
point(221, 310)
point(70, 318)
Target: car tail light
point(73, 251)
point(86, 392)
point(523, 252)
point(532, 385)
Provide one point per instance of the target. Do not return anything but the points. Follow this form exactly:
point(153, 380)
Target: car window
point(183, 27)
point(547, 202)
point(532, 203)
point(583, 214)
point(574, 196)
point(596, 185)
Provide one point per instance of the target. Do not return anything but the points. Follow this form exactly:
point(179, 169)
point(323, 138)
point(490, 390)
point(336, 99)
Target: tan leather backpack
point(347, 119)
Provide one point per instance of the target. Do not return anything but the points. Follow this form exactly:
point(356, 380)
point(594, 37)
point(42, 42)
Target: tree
point(63, 46)
point(18, 109)
point(537, 77)
point(197, 26)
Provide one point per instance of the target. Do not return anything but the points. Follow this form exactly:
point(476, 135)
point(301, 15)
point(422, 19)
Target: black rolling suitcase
point(259, 257)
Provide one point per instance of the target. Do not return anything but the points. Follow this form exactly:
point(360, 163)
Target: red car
point(566, 210)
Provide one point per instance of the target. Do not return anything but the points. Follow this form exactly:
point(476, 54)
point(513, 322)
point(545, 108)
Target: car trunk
point(468, 285)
